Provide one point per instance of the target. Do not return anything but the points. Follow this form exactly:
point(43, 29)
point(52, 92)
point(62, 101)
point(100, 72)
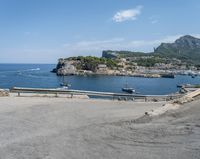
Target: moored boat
point(169, 75)
point(65, 84)
point(128, 90)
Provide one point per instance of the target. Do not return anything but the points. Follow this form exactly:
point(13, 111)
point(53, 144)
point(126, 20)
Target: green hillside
point(186, 48)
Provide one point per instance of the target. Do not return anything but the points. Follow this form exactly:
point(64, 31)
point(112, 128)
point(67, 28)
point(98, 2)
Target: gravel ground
point(58, 128)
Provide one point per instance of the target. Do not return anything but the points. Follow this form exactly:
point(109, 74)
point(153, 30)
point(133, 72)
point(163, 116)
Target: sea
point(39, 76)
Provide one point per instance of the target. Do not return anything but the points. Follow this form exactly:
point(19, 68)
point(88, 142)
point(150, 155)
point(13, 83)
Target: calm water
point(37, 75)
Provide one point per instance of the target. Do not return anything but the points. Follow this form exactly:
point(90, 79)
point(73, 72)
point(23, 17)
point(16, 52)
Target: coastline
point(144, 75)
point(161, 74)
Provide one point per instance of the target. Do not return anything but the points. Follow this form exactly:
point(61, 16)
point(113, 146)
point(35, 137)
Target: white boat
point(63, 88)
point(64, 84)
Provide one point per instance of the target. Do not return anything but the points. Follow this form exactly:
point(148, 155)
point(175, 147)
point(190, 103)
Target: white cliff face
point(67, 69)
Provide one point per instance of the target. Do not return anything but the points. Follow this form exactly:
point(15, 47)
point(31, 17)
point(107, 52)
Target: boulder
point(3, 93)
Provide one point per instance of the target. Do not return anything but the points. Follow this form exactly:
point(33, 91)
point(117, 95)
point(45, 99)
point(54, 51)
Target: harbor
point(39, 76)
point(107, 79)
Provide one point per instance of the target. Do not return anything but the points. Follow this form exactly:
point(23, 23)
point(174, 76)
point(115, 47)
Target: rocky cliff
point(64, 67)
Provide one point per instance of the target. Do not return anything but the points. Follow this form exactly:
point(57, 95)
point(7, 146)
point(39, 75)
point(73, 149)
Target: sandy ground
point(58, 128)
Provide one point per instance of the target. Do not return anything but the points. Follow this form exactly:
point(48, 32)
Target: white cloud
point(130, 14)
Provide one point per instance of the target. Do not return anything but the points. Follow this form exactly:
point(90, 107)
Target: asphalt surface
point(56, 128)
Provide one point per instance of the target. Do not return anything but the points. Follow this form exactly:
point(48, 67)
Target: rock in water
point(64, 68)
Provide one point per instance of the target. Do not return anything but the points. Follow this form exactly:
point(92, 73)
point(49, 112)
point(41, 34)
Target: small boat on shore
point(188, 85)
point(180, 85)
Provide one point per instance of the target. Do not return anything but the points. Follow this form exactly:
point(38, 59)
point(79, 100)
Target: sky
point(41, 31)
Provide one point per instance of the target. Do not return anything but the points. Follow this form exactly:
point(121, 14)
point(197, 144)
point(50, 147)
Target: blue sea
point(39, 76)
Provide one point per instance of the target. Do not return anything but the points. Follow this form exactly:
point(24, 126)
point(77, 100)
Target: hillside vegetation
point(186, 49)
point(91, 62)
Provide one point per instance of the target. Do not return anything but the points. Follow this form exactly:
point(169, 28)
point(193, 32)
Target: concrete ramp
point(188, 97)
point(175, 104)
point(193, 94)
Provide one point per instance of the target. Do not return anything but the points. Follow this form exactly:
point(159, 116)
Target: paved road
point(61, 128)
point(56, 128)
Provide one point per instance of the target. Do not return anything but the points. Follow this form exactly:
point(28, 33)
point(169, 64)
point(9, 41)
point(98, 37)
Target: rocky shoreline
point(119, 74)
point(66, 68)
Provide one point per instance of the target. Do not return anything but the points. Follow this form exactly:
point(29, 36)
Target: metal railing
point(119, 96)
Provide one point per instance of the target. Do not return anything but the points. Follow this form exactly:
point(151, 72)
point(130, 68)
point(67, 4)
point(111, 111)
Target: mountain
point(186, 48)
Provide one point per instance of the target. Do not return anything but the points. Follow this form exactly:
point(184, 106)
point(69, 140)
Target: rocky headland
point(168, 59)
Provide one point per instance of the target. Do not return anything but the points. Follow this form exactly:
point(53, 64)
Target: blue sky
point(41, 31)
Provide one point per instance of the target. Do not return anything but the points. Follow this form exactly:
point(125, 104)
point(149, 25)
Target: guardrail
point(119, 96)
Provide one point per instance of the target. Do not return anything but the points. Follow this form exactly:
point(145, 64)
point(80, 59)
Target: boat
point(64, 84)
point(193, 76)
point(169, 75)
point(128, 90)
point(179, 85)
point(185, 85)
point(62, 88)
